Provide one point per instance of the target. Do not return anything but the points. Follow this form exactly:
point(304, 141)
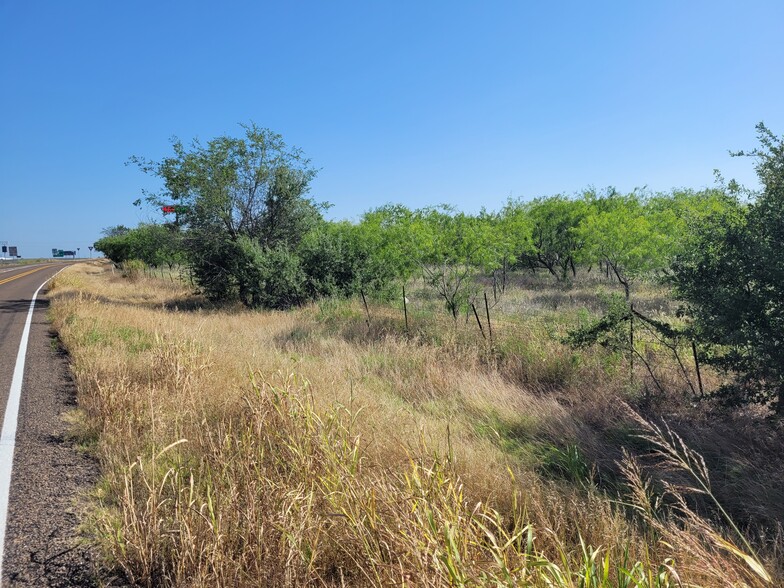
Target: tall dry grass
point(304, 448)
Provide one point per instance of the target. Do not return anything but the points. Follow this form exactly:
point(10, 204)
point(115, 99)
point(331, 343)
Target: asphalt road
point(49, 475)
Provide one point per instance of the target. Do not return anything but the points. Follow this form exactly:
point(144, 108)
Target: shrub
point(132, 269)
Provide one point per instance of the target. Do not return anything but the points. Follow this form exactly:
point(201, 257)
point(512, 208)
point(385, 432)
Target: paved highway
point(41, 473)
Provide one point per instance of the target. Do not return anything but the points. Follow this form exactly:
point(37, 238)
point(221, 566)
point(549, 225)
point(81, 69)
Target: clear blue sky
point(418, 102)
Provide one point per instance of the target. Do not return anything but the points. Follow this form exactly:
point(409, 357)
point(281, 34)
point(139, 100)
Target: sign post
point(176, 210)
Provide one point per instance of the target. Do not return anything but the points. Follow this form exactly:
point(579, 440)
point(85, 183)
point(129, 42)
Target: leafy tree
point(343, 259)
point(392, 231)
point(217, 263)
point(153, 244)
point(555, 239)
point(452, 249)
point(115, 231)
point(731, 277)
point(634, 234)
point(115, 247)
point(170, 246)
point(270, 277)
point(674, 214)
point(233, 191)
point(510, 240)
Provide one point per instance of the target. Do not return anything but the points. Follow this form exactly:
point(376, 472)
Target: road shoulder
point(51, 476)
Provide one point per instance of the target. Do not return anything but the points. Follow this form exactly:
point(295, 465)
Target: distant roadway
point(41, 473)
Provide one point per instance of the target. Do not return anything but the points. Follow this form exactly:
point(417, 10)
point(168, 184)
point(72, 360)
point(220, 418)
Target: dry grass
point(304, 448)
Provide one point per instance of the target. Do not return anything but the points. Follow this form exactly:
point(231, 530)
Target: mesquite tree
point(241, 201)
point(731, 278)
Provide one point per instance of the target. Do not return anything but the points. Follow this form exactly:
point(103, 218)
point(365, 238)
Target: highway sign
point(174, 208)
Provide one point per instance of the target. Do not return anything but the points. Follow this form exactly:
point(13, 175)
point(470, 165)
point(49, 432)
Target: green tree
point(115, 231)
point(391, 231)
point(675, 212)
point(233, 191)
point(634, 235)
point(731, 277)
point(153, 244)
point(554, 236)
point(510, 239)
point(115, 247)
point(343, 259)
point(453, 247)
point(269, 277)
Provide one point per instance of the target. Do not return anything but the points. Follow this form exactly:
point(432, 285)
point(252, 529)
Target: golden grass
point(304, 448)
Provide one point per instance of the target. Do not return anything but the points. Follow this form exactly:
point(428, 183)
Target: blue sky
point(421, 103)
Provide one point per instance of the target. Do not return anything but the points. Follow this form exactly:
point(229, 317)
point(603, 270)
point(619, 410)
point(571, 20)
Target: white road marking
point(6, 270)
point(10, 269)
point(8, 434)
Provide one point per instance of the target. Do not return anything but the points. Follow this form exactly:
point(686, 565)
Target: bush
point(731, 279)
point(153, 244)
point(132, 269)
point(214, 268)
point(269, 277)
point(339, 260)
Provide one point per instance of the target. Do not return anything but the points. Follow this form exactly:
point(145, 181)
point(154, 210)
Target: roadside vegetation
point(306, 447)
point(572, 391)
point(6, 262)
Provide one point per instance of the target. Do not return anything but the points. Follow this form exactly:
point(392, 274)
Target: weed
point(567, 463)
point(375, 459)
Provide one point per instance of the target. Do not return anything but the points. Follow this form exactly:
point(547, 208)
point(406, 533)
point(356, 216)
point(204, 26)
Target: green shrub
point(132, 269)
point(338, 259)
point(267, 277)
point(214, 269)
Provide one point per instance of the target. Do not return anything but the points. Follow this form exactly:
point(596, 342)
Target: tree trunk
point(624, 282)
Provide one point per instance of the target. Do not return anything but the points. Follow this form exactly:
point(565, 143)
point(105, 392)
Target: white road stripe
point(17, 267)
point(8, 434)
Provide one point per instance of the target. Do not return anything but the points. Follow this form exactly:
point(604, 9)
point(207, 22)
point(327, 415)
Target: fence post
point(367, 311)
point(405, 307)
point(697, 367)
point(631, 343)
point(489, 326)
point(478, 322)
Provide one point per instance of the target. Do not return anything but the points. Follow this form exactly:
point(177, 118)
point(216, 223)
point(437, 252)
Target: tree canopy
point(241, 200)
point(730, 275)
point(247, 228)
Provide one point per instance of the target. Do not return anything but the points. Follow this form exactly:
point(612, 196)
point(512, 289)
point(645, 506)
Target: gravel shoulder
point(51, 476)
